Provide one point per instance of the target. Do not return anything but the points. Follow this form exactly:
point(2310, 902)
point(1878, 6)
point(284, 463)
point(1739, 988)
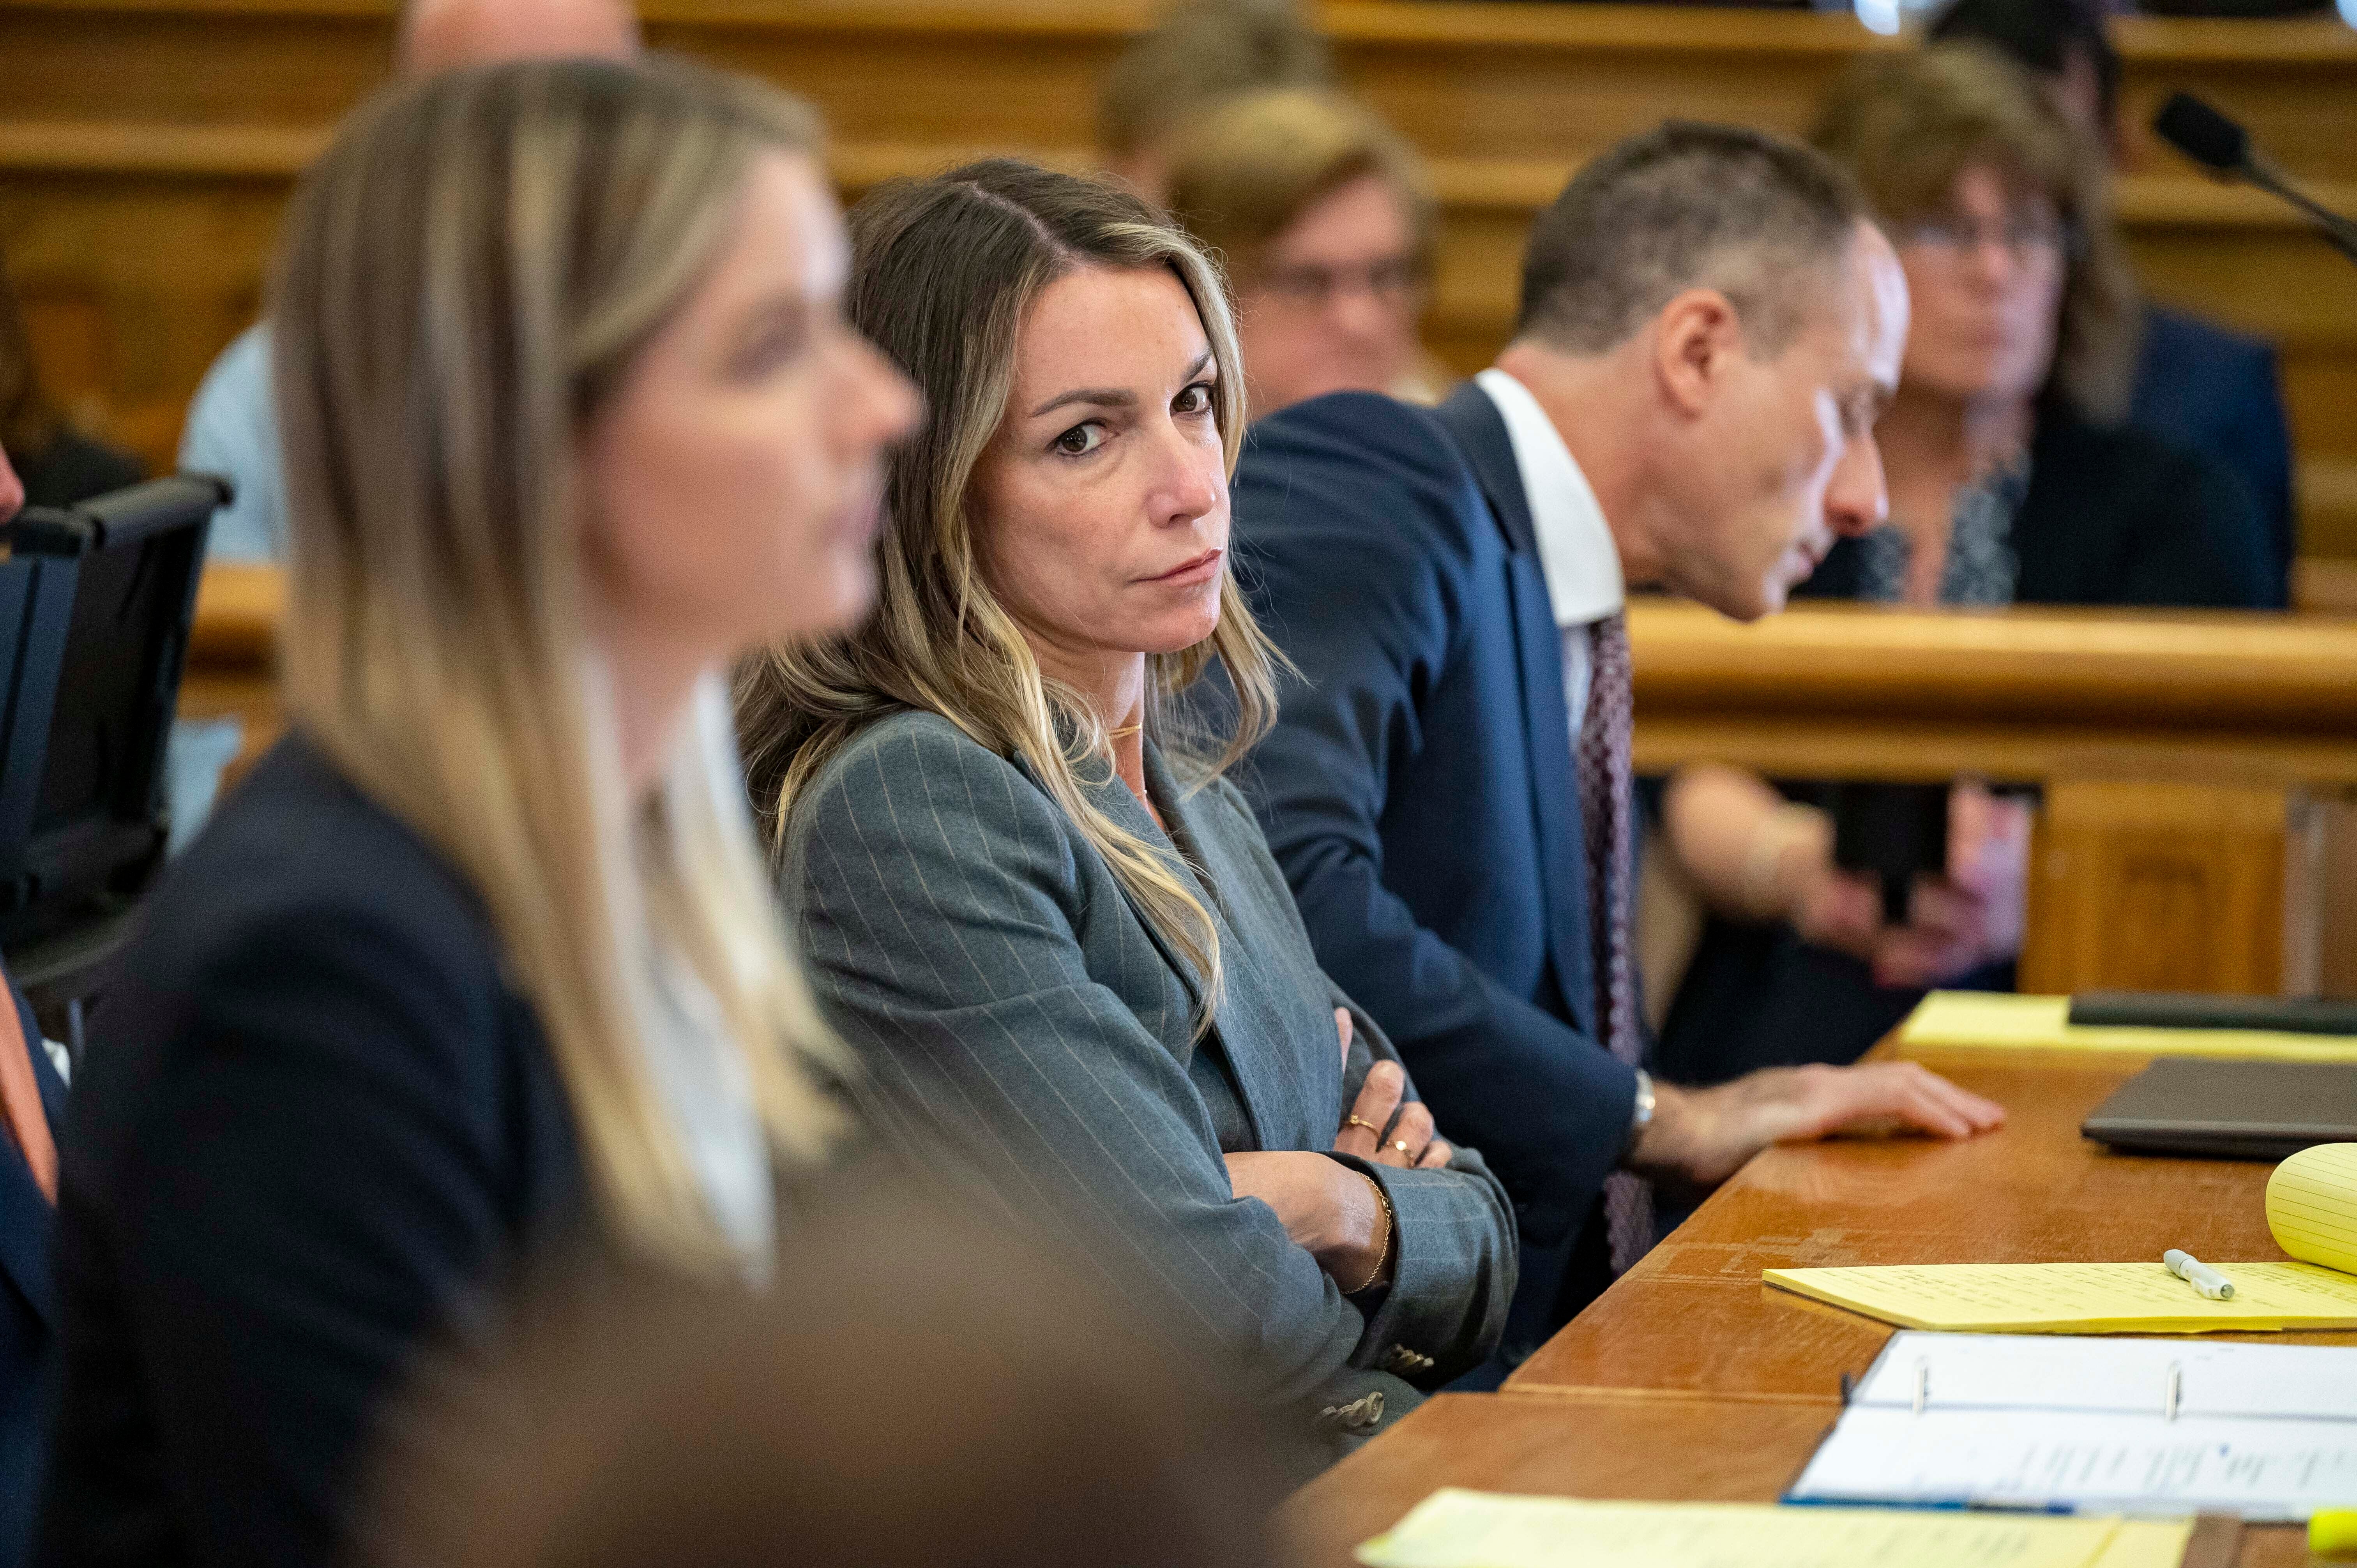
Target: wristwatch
point(1640, 1114)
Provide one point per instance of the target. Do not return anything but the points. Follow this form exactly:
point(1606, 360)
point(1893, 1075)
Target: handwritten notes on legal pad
point(1454, 1529)
point(2080, 1298)
point(2136, 1426)
point(1997, 1021)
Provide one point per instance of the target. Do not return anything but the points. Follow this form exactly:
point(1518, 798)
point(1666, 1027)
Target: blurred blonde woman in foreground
point(482, 953)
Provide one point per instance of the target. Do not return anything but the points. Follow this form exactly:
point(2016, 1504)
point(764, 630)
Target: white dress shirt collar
point(1581, 563)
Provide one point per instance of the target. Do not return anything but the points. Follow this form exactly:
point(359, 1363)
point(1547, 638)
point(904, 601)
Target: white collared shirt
point(1576, 556)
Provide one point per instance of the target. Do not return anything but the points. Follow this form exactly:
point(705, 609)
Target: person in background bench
point(1201, 54)
point(56, 465)
point(2008, 486)
point(232, 428)
point(484, 955)
point(2197, 384)
point(32, 1103)
point(1323, 217)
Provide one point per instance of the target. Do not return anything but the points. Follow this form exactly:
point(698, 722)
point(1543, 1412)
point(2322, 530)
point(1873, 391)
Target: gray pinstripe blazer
point(1022, 1026)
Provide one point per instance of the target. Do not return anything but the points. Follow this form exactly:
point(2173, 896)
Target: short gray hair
point(1685, 206)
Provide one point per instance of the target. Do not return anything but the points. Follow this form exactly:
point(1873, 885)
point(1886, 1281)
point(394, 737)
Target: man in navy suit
point(2197, 384)
point(32, 1102)
point(1709, 329)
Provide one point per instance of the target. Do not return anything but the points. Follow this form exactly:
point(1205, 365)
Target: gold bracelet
point(1391, 1224)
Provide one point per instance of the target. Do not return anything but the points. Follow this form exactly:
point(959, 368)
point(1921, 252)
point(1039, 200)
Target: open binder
point(2151, 1428)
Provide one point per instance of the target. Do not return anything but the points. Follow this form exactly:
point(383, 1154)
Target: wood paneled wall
point(147, 145)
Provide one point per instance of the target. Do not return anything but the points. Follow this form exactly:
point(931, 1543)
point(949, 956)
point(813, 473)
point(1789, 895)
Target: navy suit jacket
point(2217, 392)
point(27, 1314)
point(1418, 789)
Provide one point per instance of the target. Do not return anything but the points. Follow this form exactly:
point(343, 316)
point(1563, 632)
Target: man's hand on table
point(1705, 1135)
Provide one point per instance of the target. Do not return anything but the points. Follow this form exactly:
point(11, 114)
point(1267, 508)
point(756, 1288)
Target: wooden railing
point(147, 145)
point(2195, 830)
point(2197, 771)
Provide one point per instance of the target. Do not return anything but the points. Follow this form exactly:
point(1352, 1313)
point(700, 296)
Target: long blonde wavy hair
point(943, 273)
point(465, 278)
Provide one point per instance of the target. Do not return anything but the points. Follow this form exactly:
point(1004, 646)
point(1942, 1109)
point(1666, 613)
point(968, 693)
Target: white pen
point(2208, 1280)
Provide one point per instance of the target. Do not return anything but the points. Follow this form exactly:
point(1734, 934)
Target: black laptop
point(2230, 1110)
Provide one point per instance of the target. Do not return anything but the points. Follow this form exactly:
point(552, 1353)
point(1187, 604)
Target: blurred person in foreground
point(1323, 217)
point(2197, 384)
point(1030, 899)
point(1709, 329)
point(918, 1392)
point(32, 1104)
point(482, 955)
point(2011, 483)
point(55, 464)
point(1197, 56)
point(232, 428)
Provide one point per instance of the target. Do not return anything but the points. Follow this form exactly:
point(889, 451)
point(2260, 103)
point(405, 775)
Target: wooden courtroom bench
point(1691, 1380)
point(147, 145)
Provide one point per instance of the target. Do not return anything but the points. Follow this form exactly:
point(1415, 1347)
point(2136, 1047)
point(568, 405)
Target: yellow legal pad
point(2311, 1212)
point(1456, 1528)
point(2080, 1298)
point(1993, 1020)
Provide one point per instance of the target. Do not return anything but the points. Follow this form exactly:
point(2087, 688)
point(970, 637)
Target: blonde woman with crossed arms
point(1031, 903)
point(484, 952)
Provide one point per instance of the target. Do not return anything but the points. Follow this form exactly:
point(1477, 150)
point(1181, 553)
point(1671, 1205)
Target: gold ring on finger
point(1362, 1121)
point(1401, 1145)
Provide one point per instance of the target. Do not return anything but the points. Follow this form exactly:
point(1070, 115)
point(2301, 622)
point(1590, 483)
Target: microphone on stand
point(2225, 149)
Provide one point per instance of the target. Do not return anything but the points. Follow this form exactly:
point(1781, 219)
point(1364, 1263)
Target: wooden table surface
point(1693, 1317)
point(1691, 1380)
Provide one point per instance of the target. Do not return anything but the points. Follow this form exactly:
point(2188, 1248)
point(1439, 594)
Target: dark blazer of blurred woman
point(482, 957)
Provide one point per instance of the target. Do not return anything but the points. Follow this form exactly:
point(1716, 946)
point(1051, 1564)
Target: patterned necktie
point(21, 1100)
point(1606, 803)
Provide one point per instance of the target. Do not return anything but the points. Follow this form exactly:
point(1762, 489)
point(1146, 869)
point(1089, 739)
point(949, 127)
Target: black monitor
point(95, 605)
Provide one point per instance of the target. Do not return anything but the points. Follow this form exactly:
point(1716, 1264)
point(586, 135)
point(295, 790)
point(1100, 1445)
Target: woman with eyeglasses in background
point(2010, 482)
point(1324, 217)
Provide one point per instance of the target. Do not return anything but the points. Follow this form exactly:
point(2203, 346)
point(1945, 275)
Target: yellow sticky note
point(1991, 1020)
point(2312, 1206)
point(1456, 1528)
point(2080, 1298)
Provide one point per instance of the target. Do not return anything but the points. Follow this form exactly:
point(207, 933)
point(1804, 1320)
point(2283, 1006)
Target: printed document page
point(2119, 1377)
point(2094, 1463)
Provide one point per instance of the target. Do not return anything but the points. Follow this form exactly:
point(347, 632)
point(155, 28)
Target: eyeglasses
point(2024, 236)
point(1395, 281)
